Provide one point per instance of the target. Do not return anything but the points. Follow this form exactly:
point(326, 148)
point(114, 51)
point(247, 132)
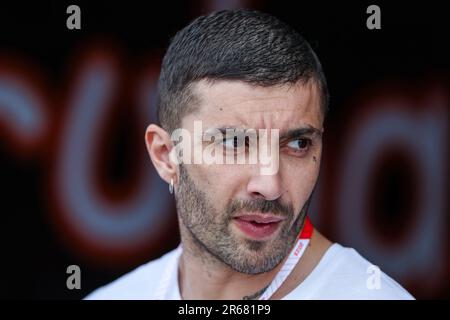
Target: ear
point(159, 146)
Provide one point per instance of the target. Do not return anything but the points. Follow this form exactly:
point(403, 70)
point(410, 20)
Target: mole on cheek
point(314, 158)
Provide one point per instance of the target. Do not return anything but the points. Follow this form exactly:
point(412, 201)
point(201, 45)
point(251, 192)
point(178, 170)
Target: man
point(244, 232)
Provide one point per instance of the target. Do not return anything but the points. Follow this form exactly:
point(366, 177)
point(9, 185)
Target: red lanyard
point(292, 260)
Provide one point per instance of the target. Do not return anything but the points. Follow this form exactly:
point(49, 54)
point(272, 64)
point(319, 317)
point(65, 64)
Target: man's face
point(211, 197)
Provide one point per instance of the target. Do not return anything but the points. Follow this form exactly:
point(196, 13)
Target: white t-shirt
point(341, 274)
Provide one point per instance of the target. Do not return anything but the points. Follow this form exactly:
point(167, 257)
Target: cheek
point(218, 182)
point(300, 179)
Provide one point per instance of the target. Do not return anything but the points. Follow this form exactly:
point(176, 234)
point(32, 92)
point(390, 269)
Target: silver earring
point(171, 185)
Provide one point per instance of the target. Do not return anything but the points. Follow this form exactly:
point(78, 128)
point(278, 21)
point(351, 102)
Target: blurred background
point(79, 189)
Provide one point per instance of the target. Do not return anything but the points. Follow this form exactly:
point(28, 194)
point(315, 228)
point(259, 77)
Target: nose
point(266, 187)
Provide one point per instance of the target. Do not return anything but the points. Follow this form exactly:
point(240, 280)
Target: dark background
point(379, 81)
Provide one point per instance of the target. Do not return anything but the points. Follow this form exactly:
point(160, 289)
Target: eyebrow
point(300, 132)
point(286, 135)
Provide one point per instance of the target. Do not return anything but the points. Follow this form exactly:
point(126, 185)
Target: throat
point(256, 295)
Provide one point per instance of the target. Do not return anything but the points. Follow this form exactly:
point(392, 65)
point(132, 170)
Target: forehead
point(239, 104)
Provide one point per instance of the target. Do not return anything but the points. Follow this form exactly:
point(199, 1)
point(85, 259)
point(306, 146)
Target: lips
point(259, 218)
point(258, 226)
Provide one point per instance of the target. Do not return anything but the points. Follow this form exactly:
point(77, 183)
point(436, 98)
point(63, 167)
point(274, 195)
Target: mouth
point(258, 226)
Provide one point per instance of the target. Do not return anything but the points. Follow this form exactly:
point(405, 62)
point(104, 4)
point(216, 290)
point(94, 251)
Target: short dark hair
point(244, 45)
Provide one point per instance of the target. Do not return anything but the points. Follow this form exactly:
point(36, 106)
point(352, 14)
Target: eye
point(234, 143)
point(299, 145)
point(230, 143)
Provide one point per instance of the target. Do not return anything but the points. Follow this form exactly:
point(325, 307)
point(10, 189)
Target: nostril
point(257, 195)
point(264, 187)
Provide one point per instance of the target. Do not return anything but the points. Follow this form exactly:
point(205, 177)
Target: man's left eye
point(299, 144)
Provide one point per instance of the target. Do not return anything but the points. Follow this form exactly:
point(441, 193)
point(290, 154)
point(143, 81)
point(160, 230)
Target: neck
point(220, 282)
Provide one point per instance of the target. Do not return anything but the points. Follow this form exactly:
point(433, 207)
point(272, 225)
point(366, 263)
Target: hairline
point(193, 101)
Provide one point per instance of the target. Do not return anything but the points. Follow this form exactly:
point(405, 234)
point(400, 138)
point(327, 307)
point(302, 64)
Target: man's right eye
point(230, 143)
point(236, 143)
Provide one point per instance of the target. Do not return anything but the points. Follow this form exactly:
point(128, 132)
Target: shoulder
point(343, 273)
point(138, 284)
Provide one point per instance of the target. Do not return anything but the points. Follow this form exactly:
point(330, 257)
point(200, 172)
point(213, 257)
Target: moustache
point(260, 205)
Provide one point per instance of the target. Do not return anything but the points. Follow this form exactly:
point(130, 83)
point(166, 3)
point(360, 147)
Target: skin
point(216, 254)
